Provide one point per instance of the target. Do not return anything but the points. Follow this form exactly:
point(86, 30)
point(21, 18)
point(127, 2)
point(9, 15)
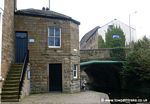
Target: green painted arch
point(82, 64)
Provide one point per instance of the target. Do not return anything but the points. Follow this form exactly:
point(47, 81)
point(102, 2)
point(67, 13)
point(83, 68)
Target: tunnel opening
point(105, 77)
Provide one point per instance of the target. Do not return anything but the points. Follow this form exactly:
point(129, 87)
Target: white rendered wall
point(1, 16)
point(124, 27)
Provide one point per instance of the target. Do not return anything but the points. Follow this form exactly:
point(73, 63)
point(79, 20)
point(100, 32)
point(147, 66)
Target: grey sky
point(93, 13)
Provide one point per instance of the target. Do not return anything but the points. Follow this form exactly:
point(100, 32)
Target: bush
point(118, 54)
point(136, 69)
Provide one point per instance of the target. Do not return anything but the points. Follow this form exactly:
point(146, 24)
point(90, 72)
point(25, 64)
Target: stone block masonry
point(40, 55)
point(8, 43)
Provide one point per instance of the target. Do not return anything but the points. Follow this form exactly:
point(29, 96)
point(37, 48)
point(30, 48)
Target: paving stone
point(87, 97)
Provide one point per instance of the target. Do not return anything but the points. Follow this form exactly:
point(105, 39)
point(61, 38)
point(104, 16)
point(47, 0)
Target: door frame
point(16, 40)
point(49, 76)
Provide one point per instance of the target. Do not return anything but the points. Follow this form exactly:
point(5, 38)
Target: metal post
point(130, 30)
point(49, 4)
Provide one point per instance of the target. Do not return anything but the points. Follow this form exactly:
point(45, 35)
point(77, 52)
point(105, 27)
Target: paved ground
point(88, 97)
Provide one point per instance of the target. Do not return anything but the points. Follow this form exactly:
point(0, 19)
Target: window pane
point(75, 71)
point(21, 34)
point(57, 41)
point(51, 31)
point(50, 41)
point(57, 31)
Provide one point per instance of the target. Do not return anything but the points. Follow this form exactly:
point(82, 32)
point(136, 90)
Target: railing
point(24, 68)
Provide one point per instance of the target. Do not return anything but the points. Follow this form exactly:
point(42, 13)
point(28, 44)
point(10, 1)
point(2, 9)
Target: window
point(75, 67)
point(54, 37)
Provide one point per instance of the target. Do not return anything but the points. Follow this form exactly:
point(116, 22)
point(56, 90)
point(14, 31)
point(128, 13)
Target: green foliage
point(136, 69)
point(115, 38)
point(101, 43)
point(118, 54)
point(111, 41)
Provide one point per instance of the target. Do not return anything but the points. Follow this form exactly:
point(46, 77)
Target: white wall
point(123, 26)
point(1, 16)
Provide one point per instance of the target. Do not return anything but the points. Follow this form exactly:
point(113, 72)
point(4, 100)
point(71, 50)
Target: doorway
point(55, 77)
point(21, 46)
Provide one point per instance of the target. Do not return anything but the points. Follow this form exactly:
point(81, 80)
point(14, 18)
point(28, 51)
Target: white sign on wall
point(31, 40)
point(115, 36)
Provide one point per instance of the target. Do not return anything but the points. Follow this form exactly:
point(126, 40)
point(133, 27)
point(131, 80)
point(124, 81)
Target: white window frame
point(54, 36)
point(75, 71)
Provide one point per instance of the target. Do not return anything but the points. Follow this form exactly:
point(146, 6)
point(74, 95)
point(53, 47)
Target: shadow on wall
point(103, 77)
point(106, 78)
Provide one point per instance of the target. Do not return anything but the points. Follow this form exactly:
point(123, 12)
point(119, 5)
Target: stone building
point(7, 43)
point(52, 40)
point(53, 44)
point(90, 39)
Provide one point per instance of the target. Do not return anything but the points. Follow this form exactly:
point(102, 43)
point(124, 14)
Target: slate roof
point(89, 34)
point(45, 13)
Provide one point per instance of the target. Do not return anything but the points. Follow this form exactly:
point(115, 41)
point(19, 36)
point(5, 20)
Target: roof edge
point(96, 28)
point(37, 15)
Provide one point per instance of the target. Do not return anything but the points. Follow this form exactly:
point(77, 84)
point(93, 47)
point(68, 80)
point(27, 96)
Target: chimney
point(47, 8)
point(43, 8)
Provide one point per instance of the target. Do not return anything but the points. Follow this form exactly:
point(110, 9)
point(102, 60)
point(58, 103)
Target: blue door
point(21, 46)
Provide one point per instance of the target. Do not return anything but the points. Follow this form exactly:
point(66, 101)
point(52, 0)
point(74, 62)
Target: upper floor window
point(54, 37)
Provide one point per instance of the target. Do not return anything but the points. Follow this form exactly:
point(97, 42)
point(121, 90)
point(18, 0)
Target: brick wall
point(8, 51)
point(41, 56)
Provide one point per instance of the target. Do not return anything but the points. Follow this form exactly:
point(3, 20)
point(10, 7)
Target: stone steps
point(10, 90)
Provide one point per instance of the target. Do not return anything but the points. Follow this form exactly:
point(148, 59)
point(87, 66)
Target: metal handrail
point(24, 68)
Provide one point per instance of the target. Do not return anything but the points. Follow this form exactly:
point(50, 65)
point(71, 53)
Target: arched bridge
point(102, 68)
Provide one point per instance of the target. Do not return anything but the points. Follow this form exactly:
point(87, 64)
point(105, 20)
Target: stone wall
point(75, 56)
point(95, 54)
point(115, 54)
point(8, 44)
point(40, 56)
point(26, 84)
point(91, 42)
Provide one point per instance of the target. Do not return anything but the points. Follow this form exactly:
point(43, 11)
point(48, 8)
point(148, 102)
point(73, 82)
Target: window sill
point(75, 78)
point(54, 46)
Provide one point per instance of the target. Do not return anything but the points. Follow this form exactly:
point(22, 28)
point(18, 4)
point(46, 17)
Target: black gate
point(21, 46)
point(55, 77)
